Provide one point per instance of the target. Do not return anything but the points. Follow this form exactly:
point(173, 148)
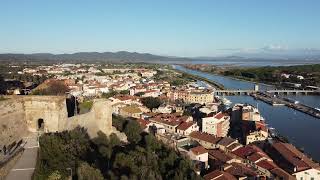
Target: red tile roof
point(198, 150)
point(219, 115)
point(251, 151)
point(218, 175)
point(205, 137)
point(170, 122)
point(269, 165)
point(256, 156)
point(294, 156)
point(185, 125)
point(220, 155)
point(143, 123)
point(280, 173)
point(240, 170)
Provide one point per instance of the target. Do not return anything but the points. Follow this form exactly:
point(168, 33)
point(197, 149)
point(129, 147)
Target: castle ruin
point(20, 115)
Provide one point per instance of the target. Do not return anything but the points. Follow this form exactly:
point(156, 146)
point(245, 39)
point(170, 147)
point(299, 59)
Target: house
point(241, 171)
point(147, 73)
point(250, 113)
point(293, 161)
point(228, 144)
point(256, 136)
point(186, 128)
point(218, 158)
point(116, 107)
point(208, 141)
point(169, 124)
point(130, 111)
point(217, 125)
point(199, 153)
point(219, 175)
point(152, 93)
point(195, 96)
point(164, 108)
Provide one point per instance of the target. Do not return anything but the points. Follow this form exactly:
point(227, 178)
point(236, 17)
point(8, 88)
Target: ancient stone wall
point(98, 119)
point(22, 114)
point(50, 109)
point(12, 123)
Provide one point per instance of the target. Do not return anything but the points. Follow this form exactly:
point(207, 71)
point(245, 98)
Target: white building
point(199, 153)
point(186, 128)
point(217, 125)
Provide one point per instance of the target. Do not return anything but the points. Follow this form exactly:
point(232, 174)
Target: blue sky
point(165, 27)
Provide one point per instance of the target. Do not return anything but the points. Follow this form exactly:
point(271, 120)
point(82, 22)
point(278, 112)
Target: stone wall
point(20, 115)
point(12, 124)
point(51, 109)
point(98, 119)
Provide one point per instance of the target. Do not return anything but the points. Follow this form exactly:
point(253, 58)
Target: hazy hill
point(121, 56)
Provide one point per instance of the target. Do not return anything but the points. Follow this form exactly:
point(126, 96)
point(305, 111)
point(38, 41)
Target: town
point(222, 141)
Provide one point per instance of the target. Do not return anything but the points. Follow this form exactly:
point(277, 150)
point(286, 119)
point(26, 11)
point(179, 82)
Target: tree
point(124, 92)
point(109, 94)
point(52, 88)
point(140, 94)
point(133, 130)
point(151, 102)
point(55, 175)
point(106, 144)
point(151, 142)
point(118, 122)
point(87, 172)
point(62, 150)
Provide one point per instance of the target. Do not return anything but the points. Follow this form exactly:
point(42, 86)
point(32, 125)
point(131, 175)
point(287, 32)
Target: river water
point(301, 129)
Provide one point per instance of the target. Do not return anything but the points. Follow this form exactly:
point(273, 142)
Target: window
point(301, 178)
point(312, 178)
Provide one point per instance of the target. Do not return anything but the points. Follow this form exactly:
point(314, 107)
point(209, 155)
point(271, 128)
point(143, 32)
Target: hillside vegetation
point(144, 157)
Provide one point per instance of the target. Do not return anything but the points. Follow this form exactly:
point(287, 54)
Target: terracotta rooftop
point(220, 155)
point(234, 146)
point(185, 125)
point(170, 122)
point(219, 115)
point(266, 164)
point(125, 97)
point(251, 151)
point(198, 150)
point(240, 170)
point(280, 173)
point(255, 157)
point(218, 175)
point(226, 141)
point(205, 137)
point(294, 156)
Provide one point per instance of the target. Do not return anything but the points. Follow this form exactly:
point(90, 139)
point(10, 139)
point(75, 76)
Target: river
point(298, 127)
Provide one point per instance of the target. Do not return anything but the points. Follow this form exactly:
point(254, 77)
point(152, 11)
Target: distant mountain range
point(134, 57)
point(121, 56)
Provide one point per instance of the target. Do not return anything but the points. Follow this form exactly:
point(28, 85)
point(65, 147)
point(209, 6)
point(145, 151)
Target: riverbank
point(306, 75)
point(298, 127)
point(195, 77)
point(237, 78)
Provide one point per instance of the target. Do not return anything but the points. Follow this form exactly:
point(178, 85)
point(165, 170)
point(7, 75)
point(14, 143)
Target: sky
point(165, 27)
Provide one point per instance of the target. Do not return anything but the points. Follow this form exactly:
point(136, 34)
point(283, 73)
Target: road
point(25, 166)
